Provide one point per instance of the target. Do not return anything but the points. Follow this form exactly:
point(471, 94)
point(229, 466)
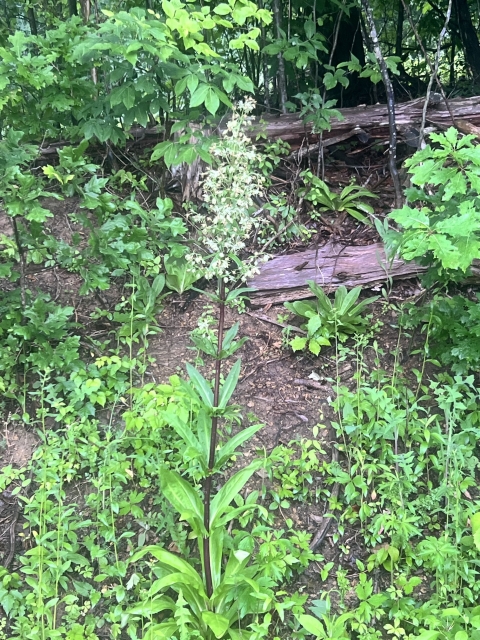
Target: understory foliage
point(141, 520)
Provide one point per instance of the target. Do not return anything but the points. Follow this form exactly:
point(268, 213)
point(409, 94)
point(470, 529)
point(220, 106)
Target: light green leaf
point(225, 452)
point(217, 623)
point(183, 497)
point(222, 9)
point(212, 101)
point(229, 385)
point(312, 625)
point(199, 95)
point(298, 343)
point(230, 489)
point(200, 385)
point(148, 608)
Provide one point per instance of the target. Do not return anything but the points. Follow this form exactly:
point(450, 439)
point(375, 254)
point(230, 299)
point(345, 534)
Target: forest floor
point(290, 393)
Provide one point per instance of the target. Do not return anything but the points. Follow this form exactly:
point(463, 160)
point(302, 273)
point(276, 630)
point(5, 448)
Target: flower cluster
point(225, 223)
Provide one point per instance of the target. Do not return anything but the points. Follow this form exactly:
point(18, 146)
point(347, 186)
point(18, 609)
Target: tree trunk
point(392, 148)
point(72, 8)
point(399, 38)
point(282, 82)
point(469, 37)
point(32, 21)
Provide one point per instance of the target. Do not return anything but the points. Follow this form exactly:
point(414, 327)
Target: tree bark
point(469, 37)
point(32, 21)
point(72, 8)
point(392, 149)
point(282, 82)
point(399, 35)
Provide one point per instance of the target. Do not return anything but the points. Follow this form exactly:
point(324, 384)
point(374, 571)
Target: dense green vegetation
point(172, 535)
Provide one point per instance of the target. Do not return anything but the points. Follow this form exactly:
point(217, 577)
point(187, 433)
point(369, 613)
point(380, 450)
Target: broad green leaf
point(229, 385)
point(204, 429)
point(314, 324)
point(428, 635)
point(183, 497)
point(200, 385)
point(175, 578)
point(312, 625)
point(298, 343)
point(124, 94)
point(149, 607)
point(212, 101)
point(222, 9)
point(199, 95)
point(230, 489)
point(475, 522)
point(217, 623)
point(314, 346)
point(349, 300)
point(163, 631)
point(167, 559)
point(184, 430)
point(216, 555)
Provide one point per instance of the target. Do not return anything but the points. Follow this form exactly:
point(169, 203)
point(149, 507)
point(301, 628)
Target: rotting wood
point(291, 128)
point(373, 119)
point(285, 278)
point(329, 266)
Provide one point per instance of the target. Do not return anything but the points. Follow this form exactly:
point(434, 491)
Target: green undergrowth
point(141, 518)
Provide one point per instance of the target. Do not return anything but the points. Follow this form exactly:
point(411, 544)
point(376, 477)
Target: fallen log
point(285, 278)
point(371, 119)
point(356, 121)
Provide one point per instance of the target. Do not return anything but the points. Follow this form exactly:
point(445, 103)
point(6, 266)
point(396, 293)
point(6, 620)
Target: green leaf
point(298, 343)
point(229, 385)
point(187, 435)
point(225, 452)
point(124, 94)
point(475, 522)
point(163, 631)
point(199, 95)
point(230, 489)
point(200, 385)
point(148, 608)
point(183, 498)
point(314, 324)
point(166, 559)
point(312, 625)
point(222, 9)
point(204, 429)
point(217, 623)
point(212, 101)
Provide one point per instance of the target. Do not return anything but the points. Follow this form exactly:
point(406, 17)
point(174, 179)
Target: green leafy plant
point(325, 320)
point(348, 201)
point(452, 325)
point(440, 224)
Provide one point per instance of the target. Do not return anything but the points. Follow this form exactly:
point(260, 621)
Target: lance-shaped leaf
point(225, 452)
point(201, 386)
point(183, 497)
point(229, 385)
point(234, 485)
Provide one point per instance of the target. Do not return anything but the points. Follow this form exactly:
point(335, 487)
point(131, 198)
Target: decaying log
point(371, 119)
point(285, 277)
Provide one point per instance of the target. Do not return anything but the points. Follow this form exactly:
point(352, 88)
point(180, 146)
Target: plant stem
point(207, 489)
